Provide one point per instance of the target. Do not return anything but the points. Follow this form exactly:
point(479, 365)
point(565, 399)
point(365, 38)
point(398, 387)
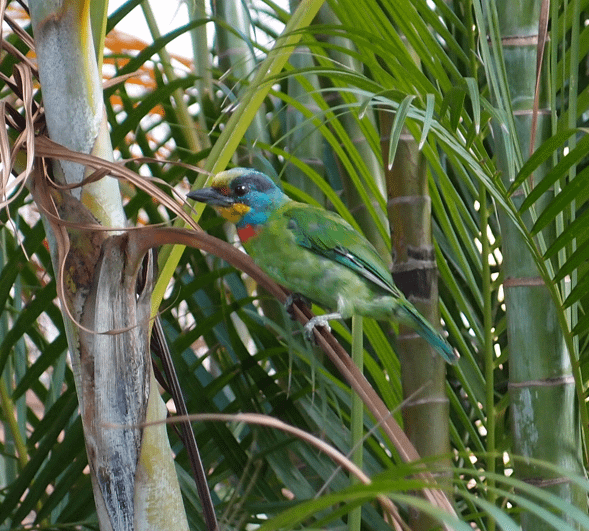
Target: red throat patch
point(247, 232)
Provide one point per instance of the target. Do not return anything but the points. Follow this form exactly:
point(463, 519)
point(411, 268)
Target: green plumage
point(313, 252)
point(316, 253)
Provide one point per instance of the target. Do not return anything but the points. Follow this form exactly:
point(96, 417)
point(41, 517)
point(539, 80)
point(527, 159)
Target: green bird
point(313, 253)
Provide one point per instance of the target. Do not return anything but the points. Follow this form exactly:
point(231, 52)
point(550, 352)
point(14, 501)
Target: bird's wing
point(327, 234)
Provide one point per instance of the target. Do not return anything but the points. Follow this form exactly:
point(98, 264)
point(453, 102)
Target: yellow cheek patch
point(234, 212)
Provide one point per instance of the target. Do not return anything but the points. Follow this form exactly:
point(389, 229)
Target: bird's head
point(242, 196)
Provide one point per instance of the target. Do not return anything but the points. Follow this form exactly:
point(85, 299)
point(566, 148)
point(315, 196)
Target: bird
point(314, 253)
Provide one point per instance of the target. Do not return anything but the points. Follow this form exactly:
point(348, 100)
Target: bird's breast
point(247, 232)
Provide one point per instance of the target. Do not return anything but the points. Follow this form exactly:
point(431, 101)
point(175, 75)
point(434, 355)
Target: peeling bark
point(115, 369)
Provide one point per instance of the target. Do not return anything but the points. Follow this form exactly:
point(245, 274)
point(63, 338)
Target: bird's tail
point(408, 315)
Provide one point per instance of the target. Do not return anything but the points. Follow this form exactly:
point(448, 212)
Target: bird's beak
point(228, 207)
point(210, 196)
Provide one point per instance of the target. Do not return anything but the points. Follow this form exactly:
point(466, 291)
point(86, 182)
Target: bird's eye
point(241, 190)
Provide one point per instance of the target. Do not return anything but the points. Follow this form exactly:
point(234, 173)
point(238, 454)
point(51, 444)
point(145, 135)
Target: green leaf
point(428, 118)
point(397, 127)
point(543, 154)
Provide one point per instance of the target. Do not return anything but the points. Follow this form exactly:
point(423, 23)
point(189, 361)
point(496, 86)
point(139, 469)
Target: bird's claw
point(318, 320)
point(291, 300)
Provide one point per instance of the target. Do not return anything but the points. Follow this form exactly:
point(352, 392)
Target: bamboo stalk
point(415, 272)
point(545, 420)
point(303, 138)
point(202, 65)
point(489, 353)
point(236, 58)
point(357, 128)
point(184, 117)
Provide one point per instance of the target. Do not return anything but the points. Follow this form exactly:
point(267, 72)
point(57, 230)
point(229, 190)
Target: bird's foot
point(291, 300)
point(319, 320)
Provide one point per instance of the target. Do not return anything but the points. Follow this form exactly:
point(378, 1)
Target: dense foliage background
point(453, 93)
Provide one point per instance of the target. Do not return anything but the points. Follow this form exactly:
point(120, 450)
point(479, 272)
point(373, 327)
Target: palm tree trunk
point(132, 469)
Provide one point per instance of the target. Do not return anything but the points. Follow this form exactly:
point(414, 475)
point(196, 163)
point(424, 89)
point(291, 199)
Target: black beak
point(210, 196)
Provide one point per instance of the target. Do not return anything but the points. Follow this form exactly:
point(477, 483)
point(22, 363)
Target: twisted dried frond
point(23, 129)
